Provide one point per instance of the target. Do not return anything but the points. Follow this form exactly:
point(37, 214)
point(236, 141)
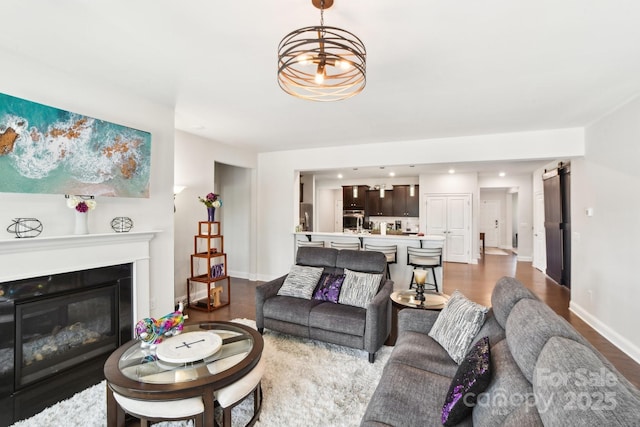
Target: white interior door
point(490, 222)
point(450, 216)
point(337, 217)
point(539, 240)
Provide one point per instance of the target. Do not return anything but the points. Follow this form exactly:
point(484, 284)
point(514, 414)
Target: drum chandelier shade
point(321, 63)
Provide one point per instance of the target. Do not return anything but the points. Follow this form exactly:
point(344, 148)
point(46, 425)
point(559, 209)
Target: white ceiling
point(435, 68)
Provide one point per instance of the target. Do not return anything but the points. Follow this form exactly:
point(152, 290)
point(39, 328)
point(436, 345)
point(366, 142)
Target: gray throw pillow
point(301, 281)
point(358, 289)
point(457, 325)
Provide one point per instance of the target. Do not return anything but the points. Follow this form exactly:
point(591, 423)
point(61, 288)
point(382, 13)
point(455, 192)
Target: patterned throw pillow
point(329, 287)
point(359, 288)
point(300, 282)
point(457, 324)
point(471, 379)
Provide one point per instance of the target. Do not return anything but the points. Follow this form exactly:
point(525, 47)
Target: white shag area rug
point(306, 383)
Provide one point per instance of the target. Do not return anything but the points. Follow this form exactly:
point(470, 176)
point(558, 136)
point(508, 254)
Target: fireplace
point(62, 320)
point(88, 287)
point(53, 324)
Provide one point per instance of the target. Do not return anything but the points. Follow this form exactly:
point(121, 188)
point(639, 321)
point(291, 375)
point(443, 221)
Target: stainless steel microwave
point(350, 219)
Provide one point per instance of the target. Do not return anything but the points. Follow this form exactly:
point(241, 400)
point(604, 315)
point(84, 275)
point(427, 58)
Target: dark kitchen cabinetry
point(352, 203)
point(403, 203)
point(379, 206)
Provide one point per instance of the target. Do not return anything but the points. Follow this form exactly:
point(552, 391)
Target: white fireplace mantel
point(41, 256)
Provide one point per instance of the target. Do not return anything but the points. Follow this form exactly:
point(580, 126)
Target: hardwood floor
point(474, 281)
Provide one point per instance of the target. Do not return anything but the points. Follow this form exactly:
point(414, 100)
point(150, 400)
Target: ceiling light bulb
point(339, 176)
point(303, 59)
point(392, 174)
point(452, 171)
point(343, 64)
point(501, 174)
point(320, 73)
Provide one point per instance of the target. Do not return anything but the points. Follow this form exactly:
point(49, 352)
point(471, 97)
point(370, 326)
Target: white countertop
point(372, 236)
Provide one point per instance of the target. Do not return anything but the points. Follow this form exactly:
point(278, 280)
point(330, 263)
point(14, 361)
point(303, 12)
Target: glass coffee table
point(203, 358)
point(433, 300)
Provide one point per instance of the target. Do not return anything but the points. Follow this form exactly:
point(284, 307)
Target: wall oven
point(351, 218)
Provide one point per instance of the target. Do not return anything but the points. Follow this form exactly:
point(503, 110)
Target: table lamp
point(421, 278)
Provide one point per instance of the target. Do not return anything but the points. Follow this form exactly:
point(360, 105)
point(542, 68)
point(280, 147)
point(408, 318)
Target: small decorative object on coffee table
point(421, 278)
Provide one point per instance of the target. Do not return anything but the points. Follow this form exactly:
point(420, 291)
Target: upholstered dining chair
point(389, 251)
point(162, 410)
point(425, 258)
point(354, 246)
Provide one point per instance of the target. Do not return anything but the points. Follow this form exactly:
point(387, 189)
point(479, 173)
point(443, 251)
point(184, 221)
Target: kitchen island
point(400, 272)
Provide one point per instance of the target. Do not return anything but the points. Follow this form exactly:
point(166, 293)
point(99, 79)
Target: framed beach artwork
point(48, 150)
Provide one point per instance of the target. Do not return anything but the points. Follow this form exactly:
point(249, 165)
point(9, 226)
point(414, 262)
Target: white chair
point(233, 394)
point(162, 410)
point(389, 251)
point(317, 244)
point(354, 246)
point(426, 258)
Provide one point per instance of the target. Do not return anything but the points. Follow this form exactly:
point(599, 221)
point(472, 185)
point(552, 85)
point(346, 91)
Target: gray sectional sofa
point(351, 326)
point(543, 372)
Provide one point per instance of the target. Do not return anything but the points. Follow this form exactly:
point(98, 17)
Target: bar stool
point(230, 396)
point(318, 244)
point(162, 410)
point(426, 258)
point(389, 251)
point(354, 246)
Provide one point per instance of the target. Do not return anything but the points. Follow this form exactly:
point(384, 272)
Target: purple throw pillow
point(471, 379)
point(329, 287)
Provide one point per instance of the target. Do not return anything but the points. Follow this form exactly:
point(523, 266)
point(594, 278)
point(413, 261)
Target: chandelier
point(321, 63)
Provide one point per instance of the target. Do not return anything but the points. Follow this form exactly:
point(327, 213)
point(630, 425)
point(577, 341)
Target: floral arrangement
point(211, 200)
point(80, 204)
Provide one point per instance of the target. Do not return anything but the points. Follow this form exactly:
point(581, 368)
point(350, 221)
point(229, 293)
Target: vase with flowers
point(211, 201)
point(81, 206)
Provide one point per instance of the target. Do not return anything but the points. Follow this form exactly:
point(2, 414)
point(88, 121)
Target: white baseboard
point(616, 339)
point(525, 258)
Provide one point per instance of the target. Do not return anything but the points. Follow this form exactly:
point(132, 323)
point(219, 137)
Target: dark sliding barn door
point(557, 223)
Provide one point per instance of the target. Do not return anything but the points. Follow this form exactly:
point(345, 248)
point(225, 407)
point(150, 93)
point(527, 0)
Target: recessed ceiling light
point(412, 166)
point(339, 176)
point(452, 171)
point(392, 174)
point(381, 167)
point(501, 174)
point(355, 169)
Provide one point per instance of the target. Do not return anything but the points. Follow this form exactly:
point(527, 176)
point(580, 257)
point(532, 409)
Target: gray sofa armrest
point(416, 320)
point(264, 292)
point(378, 318)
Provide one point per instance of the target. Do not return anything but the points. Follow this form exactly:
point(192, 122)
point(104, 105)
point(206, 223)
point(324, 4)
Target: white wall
point(196, 162)
point(277, 171)
point(39, 83)
point(605, 280)
point(325, 210)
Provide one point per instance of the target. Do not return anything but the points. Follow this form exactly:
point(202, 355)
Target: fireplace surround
point(60, 264)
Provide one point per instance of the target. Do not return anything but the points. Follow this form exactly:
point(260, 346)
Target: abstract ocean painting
point(48, 150)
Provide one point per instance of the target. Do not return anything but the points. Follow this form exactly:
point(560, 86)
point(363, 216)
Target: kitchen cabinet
point(354, 203)
point(379, 206)
point(403, 203)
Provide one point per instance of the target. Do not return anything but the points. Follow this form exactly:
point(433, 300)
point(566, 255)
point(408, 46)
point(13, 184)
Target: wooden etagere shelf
point(208, 249)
